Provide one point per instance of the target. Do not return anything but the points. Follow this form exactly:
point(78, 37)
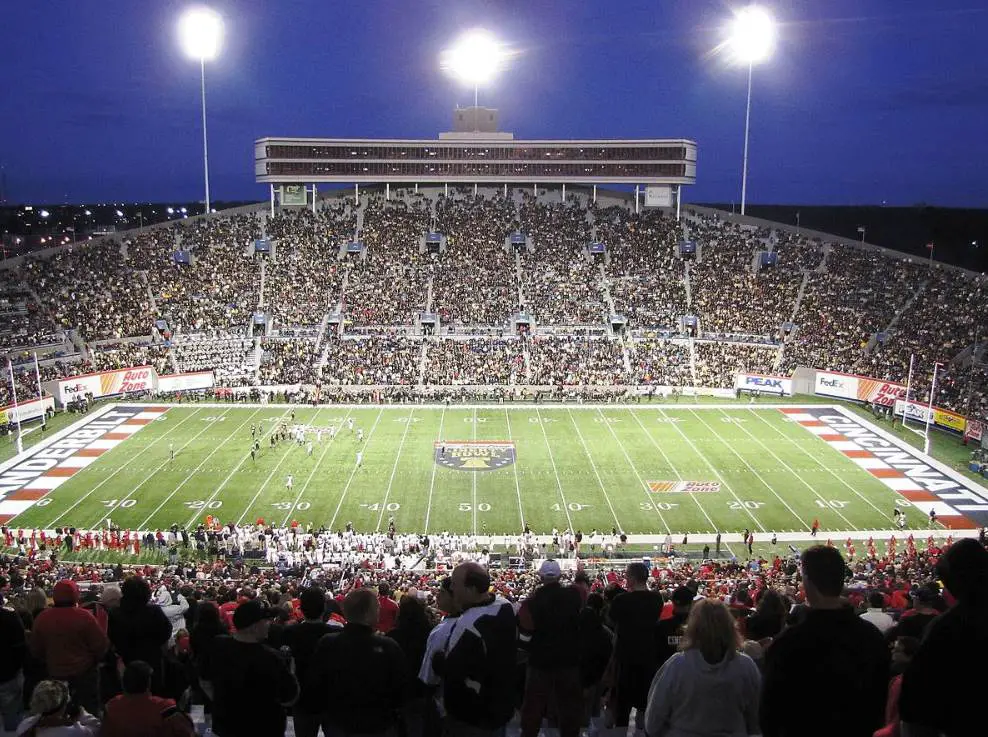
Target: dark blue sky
point(863, 101)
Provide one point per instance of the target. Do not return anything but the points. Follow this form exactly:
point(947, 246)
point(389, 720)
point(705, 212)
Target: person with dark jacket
point(13, 656)
point(549, 632)
point(596, 647)
point(939, 695)
point(301, 639)
point(832, 657)
point(358, 676)
point(411, 632)
point(477, 661)
point(249, 682)
point(635, 614)
point(139, 630)
point(669, 632)
point(70, 643)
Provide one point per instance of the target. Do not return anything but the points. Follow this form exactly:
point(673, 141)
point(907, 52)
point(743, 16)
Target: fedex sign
point(836, 385)
point(760, 382)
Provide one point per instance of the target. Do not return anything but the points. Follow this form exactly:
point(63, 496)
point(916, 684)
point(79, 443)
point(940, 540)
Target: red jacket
point(389, 614)
point(144, 715)
point(68, 640)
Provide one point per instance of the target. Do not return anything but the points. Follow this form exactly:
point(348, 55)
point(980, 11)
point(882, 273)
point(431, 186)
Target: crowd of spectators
point(230, 357)
point(475, 361)
point(576, 361)
point(372, 360)
point(718, 363)
point(657, 362)
point(302, 282)
point(121, 287)
point(389, 284)
point(690, 646)
point(473, 281)
point(288, 361)
point(125, 354)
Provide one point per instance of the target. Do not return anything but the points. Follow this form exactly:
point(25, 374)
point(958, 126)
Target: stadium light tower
point(475, 59)
point(751, 42)
point(200, 32)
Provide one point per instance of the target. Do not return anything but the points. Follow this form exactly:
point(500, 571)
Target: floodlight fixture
point(751, 41)
point(475, 58)
point(753, 34)
point(200, 32)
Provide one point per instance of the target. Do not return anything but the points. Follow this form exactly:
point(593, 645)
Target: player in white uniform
point(349, 423)
point(332, 431)
point(289, 482)
point(308, 449)
point(319, 436)
point(360, 434)
point(360, 458)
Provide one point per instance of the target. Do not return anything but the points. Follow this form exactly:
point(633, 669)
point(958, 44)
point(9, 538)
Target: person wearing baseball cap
point(549, 631)
point(250, 682)
point(71, 644)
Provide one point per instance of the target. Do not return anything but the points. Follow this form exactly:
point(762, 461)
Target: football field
point(488, 470)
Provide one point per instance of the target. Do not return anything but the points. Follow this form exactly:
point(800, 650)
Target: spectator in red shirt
point(389, 610)
point(136, 713)
point(71, 644)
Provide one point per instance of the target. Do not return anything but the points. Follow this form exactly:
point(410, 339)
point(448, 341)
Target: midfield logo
point(477, 455)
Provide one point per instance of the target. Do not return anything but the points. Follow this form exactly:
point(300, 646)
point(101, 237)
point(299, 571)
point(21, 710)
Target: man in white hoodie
point(174, 607)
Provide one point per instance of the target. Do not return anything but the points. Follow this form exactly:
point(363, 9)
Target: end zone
point(927, 484)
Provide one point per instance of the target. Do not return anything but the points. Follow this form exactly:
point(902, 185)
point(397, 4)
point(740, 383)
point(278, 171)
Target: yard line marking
point(435, 466)
point(715, 472)
point(394, 468)
point(274, 425)
point(284, 457)
point(828, 469)
point(559, 484)
point(751, 468)
point(669, 462)
point(122, 467)
point(192, 473)
point(627, 457)
point(521, 512)
point(474, 475)
point(318, 463)
point(599, 480)
point(354, 471)
point(792, 471)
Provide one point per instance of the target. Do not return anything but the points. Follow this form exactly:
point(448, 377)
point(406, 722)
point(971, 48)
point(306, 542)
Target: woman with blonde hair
point(708, 687)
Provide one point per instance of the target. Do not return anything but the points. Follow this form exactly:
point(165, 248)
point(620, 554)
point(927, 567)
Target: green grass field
point(582, 467)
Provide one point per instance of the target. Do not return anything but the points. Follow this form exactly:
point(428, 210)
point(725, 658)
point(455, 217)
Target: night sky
point(863, 102)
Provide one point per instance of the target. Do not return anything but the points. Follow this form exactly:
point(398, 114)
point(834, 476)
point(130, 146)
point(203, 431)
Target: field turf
point(586, 467)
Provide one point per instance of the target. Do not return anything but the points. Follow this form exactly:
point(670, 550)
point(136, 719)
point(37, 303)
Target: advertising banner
point(843, 386)
point(941, 417)
point(186, 382)
point(975, 430)
point(107, 383)
point(28, 410)
point(764, 383)
point(860, 388)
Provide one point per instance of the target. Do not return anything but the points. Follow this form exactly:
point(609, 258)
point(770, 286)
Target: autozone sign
point(762, 382)
point(861, 388)
point(108, 383)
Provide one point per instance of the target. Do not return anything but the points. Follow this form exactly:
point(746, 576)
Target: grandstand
point(480, 290)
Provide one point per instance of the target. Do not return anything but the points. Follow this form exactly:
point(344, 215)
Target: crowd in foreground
point(811, 646)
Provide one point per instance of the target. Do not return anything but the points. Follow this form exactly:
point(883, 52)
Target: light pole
point(475, 58)
point(200, 31)
point(751, 41)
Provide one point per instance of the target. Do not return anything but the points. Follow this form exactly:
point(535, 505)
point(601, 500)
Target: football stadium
point(482, 435)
